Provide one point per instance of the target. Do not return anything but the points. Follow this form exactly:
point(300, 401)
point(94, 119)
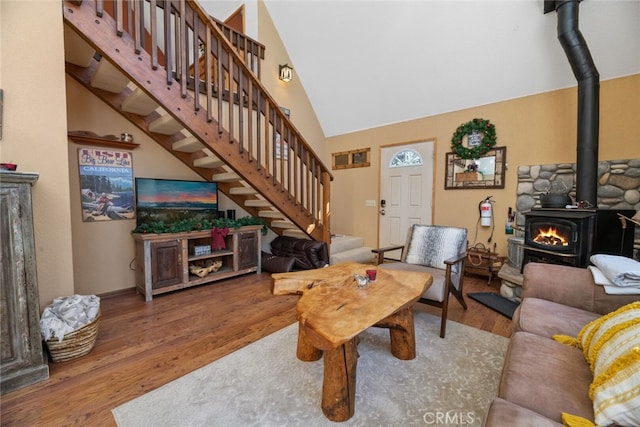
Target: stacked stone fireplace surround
point(618, 188)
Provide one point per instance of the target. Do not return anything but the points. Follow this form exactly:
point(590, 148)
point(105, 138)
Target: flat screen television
point(174, 200)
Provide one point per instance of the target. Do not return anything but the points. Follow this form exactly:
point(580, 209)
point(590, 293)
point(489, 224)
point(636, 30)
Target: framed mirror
point(486, 172)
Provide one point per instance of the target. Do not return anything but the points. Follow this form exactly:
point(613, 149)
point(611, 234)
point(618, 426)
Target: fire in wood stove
point(551, 237)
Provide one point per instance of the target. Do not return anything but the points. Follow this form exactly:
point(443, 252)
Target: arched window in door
point(406, 158)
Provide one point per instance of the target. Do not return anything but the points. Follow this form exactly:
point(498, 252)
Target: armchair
point(439, 251)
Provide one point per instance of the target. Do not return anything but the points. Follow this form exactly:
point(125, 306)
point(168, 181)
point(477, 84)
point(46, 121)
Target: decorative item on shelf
point(217, 238)
point(125, 140)
point(202, 250)
point(476, 146)
point(209, 267)
point(285, 73)
point(8, 166)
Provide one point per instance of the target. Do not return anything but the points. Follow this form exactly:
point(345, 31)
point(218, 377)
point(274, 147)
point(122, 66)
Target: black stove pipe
point(585, 71)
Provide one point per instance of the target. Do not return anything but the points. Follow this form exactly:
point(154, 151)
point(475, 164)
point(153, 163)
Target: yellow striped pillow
point(611, 346)
point(598, 331)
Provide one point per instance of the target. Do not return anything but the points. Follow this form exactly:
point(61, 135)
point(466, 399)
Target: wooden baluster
point(281, 140)
point(196, 61)
point(258, 122)
point(130, 7)
point(207, 72)
point(250, 118)
point(318, 211)
point(326, 213)
point(153, 23)
point(231, 94)
point(182, 53)
point(118, 14)
point(287, 148)
point(268, 159)
point(301, 179)
point(273, 117)
point(296, 162)
point(220, 86)
point(99, 8)
point(309, 183)
point(314, 194)
point(240, 110)
point(138, 21)
point(168, 43)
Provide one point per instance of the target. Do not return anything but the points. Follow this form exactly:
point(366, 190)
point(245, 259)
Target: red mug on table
point(371, 274)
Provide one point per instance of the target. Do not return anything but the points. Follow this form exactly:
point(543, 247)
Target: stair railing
point(239, 109)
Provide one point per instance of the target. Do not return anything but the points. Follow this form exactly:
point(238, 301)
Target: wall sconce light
point(285, 73)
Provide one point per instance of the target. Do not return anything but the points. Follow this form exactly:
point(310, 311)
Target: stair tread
point(270, 214)
point(208, 162)
point(257, 203)
point(190, 144)
point(362, 254)
point(341, 243)
point(139, 103)
point(108, 77)
point(76, 50)
point(225, 177)
point(243, 190)
point(283, 224)
point(165, 125)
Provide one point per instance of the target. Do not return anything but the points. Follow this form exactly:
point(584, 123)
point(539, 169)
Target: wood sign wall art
point(351, 159)
point(106, 184)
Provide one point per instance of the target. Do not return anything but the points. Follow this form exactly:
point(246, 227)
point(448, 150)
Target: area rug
point(495, 302)
point(450, 382)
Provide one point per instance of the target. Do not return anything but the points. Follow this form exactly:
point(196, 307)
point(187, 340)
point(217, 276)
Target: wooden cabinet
point(166, 263)
point(23, 360)
point(163, 261)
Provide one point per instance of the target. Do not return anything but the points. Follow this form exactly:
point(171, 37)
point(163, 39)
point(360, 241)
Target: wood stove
point(571, 236)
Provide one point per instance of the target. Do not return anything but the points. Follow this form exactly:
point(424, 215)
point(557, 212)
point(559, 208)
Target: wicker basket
point(74, 344)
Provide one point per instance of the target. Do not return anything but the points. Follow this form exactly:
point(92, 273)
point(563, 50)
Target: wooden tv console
point(163, 260)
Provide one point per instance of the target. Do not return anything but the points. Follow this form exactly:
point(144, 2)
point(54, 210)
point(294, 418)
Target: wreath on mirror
point(486, 144)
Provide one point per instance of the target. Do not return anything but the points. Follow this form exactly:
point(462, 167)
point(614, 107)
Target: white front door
point(406, 187)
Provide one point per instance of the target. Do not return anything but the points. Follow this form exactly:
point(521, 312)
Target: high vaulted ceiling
point(370, 63)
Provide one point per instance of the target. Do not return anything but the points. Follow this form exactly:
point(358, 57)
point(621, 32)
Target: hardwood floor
point(142, 346)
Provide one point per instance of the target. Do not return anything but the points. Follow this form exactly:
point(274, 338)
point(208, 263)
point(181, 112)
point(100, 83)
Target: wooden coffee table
point(332, 311)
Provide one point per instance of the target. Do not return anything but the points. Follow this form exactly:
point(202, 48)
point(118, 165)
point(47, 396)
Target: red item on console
point(217, 238)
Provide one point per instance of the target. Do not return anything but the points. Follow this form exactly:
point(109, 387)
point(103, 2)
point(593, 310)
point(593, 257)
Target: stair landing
point(349, 249)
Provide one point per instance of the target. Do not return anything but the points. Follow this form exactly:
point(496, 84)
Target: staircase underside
point(184, 123)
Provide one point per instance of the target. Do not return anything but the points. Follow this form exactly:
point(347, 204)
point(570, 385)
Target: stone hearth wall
point(618, 186)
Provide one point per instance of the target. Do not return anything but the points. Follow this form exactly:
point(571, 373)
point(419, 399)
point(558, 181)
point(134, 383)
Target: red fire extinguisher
point(485, 212)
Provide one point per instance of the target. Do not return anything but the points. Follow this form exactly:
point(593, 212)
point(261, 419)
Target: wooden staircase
point(141, 57)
